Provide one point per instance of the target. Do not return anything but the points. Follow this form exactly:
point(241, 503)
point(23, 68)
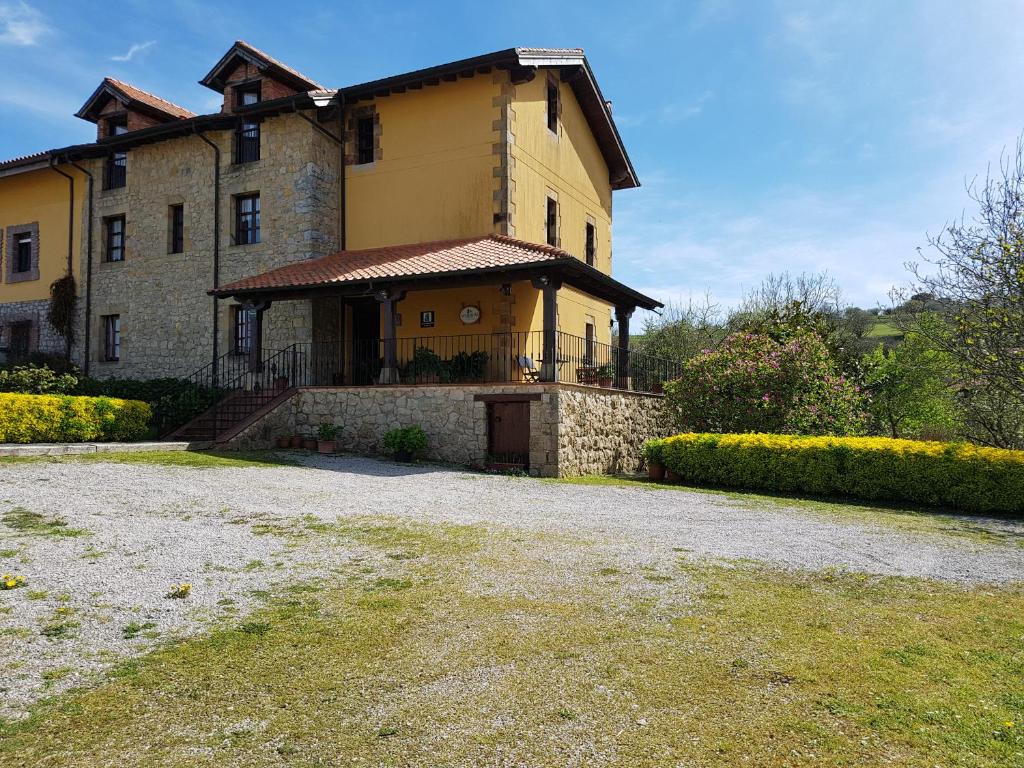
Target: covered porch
point(480, 310)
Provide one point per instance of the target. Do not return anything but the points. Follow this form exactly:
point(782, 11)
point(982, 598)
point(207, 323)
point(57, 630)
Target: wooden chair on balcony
point(529, 369)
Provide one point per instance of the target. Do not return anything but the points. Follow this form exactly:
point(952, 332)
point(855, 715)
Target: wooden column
point(389, 333)
point(549, 294)
point(256, 347)
point(622, 315)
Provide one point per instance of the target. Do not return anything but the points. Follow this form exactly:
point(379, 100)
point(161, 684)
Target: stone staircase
point(230, 415)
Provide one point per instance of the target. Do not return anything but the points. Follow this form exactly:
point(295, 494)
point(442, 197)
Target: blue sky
point(769, 136)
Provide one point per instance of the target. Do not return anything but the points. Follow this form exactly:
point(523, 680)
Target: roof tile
point(151, 99)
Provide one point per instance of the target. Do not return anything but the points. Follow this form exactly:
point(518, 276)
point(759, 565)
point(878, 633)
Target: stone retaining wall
point(45, 338)
point(574, 430)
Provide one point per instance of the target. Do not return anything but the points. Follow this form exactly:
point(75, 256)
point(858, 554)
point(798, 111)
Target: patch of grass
point(91, 553)
point(59, 630)
point(196, 459)
point(28, 523)
point(133, 629)
point(733, 664)
point(36, 594)
point(8, 552)
point(53, 675)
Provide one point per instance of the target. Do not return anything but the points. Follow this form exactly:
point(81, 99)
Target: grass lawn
point(197, 459)
point(459, 646)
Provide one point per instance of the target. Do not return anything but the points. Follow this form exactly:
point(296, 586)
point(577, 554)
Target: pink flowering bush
point(754, 383)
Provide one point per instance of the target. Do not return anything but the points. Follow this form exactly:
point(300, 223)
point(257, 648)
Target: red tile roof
point(252, 49)
point(443, 256)
point(152, 100)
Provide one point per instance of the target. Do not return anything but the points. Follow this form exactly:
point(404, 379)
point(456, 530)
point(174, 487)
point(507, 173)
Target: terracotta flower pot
point(296, 442)
point(327, 446)
point(656, 471)
point(605, 381)
point(672, 477)
point(309, 443)
point(284, 442)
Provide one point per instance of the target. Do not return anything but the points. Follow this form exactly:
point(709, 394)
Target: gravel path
point(150, 526)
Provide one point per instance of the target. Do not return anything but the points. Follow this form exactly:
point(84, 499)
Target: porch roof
point(439, 264)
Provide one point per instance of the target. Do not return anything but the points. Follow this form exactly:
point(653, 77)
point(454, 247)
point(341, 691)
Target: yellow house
point(40, 224)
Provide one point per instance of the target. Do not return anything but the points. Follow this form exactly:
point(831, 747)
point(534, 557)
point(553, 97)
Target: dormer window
point(247, 135)
point(117, 125)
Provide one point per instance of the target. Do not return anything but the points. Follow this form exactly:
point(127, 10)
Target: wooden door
point(508, 431)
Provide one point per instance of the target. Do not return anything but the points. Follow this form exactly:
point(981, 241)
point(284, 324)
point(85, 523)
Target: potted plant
point(309, 443)
point(653, 456)
point(327, 438)
point(403, 444)
point(605, 375)
point(284, 442)
point(296, 441)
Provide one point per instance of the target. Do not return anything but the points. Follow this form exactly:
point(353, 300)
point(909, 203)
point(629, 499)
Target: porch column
point(256, 346)
point(389, 333)
point(622, 315)
point(549, 292)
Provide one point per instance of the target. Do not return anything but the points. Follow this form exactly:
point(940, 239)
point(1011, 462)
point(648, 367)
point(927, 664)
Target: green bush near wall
point(67, 419)
point(956, 475)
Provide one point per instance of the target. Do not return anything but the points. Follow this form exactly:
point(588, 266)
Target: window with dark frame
point(591, 352)
point(111, 338)
point(115, 239)
point(20, 342)
point(591, 245)
point(247, 219)
point(552, 222)
point(364, 141)
point(115, 173)
point(552, 106)
point(22, 257)
point(177, 222)
point(247, 135)
point(243, 329)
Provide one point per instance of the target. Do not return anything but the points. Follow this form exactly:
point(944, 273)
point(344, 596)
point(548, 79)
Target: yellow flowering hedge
point(956, 475)
point(67, 419)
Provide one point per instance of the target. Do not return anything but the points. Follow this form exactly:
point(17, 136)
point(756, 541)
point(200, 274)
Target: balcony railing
point(247, 143)
point(115, 173)
point(474, 359)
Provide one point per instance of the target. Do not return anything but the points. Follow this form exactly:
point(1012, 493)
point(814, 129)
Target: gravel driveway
point(98, 597)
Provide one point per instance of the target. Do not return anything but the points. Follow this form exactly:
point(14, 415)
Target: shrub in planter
point(605, 375)
point(652, 457)
point(327, 438)
point(66, 419)
point(403, 444)
point(956, 475)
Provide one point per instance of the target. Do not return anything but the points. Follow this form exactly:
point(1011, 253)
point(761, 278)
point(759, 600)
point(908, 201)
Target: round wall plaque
point(470, 315)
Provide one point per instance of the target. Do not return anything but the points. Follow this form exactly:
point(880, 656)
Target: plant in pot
point(327, 435)
point(309, 443)
point(605, 375)
point(403, 444)
point(652, 453)
point(284, 442)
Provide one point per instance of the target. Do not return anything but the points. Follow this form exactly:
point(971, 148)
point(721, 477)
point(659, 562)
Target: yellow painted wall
point(434, 180)
point(41, 196)
point(571, 165)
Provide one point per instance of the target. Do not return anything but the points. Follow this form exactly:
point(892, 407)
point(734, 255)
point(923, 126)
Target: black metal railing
point(247, 143)
point(115, 172)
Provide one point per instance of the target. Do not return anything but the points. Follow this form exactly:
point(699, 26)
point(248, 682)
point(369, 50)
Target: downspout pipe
point(88, 269)
point(216, 252)
point(71, 239)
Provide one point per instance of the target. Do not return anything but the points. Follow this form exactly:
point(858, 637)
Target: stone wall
point(44, 336)
point(166, 313)
point(601, 431)
point(573, 430)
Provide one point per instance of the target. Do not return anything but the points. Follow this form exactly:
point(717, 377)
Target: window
point(22, 253)
point(177, 223)
point(591, 344)
point(111, 338)
point(364, 140)
point(552, 222)
point(247, 219)
point(20, 341)
point(552, 106)
point(243, 325)
point(591, 245)
point(115, 239)
point(115, 173)
point(247, 135)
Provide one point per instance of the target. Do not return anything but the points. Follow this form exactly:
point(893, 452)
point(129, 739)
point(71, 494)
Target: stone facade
point(573, 430)
point(166, 312)
point(44, 336)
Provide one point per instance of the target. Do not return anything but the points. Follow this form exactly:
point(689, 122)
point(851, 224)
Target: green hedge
point(957, 475)
point(67, 419)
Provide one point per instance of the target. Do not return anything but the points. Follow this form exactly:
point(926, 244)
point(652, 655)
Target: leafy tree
point(975, 273)
point(911, 392)
point(758, 383)
point(681, 331)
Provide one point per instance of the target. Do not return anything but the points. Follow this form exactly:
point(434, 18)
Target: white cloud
point(21, 24)
point(677, 113)
point(134, 51)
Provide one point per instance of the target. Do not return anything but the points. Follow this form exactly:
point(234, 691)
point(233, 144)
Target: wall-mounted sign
point(427, 319)
point(470, 315)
